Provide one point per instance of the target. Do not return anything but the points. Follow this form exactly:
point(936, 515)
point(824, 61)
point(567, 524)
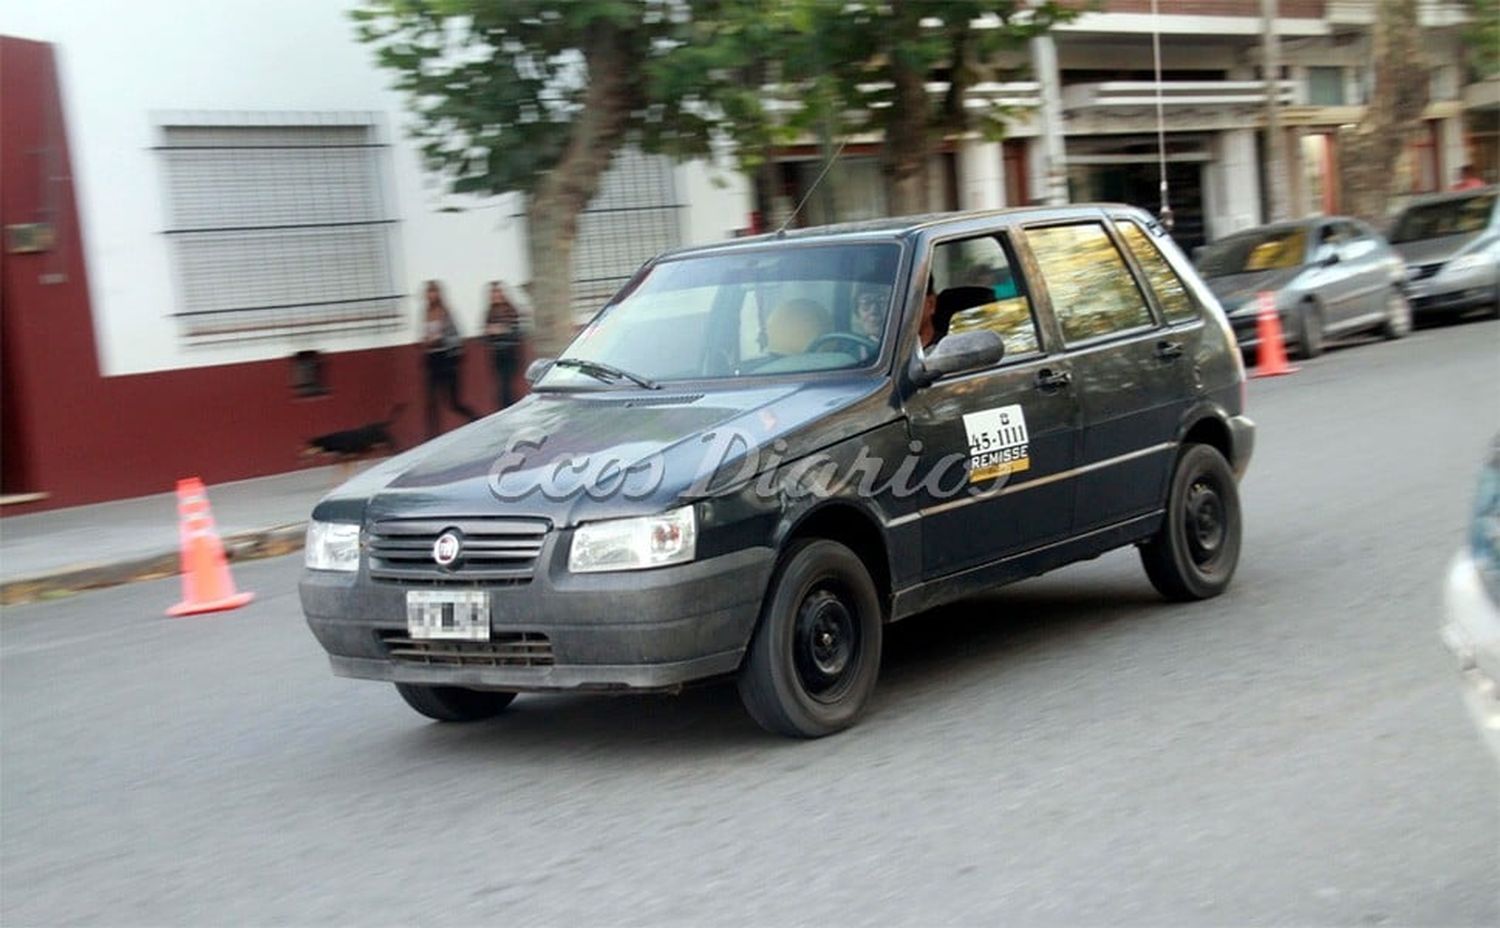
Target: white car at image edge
point(1471, 606)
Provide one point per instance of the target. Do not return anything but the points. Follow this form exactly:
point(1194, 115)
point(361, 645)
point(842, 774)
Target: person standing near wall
point(502, 331)
point(443, 351)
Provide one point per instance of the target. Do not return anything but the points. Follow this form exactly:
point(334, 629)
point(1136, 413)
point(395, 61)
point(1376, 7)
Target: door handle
point(1048, 379)
point(1168, 351)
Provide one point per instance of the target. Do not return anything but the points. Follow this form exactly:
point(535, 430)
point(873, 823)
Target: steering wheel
point(866, 346)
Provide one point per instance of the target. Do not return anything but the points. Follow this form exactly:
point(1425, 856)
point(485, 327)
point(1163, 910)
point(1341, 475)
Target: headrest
point(955, 300)
point(793, 325)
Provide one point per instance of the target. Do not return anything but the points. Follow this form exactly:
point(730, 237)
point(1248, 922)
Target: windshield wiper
point(606, 372)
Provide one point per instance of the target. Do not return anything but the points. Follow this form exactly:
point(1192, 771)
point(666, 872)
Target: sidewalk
point(116, 542)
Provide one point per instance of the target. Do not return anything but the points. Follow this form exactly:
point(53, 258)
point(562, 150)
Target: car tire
point(1309, 332)
point(815, 656)
point(1397, 322)
point(1194, 553)
point(454, 703)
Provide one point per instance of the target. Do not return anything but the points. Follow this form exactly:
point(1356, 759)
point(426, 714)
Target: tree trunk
point(552, 215)
point(904, 155)
point(1368, 154)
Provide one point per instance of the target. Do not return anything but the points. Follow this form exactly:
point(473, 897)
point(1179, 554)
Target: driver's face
point(869, 316)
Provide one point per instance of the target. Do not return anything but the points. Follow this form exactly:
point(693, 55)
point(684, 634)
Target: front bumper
point(1448, 291)
point(641, 630)
point(1471, 630)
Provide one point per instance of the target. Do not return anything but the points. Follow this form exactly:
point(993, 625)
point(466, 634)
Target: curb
point(244, 546)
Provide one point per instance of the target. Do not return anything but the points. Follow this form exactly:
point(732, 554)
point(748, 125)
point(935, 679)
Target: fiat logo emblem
point(447, 549)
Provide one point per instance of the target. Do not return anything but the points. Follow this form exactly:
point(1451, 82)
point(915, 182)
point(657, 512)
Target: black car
point(761, 452)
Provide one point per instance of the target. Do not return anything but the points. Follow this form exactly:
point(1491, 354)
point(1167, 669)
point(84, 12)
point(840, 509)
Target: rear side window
point(1170, 292)
point(1093, 292)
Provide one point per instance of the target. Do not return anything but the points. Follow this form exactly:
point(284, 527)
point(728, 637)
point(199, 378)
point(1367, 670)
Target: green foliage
point(862, 49)
point(1482, 36)
point(496, 87)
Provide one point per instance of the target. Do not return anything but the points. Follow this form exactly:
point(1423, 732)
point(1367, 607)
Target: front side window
point(782, 310)
point(1170, 292)
point(1092, 291)
point(978, 287)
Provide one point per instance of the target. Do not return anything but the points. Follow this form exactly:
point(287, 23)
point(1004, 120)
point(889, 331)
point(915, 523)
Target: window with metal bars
point(278, 226)
point(633, 217)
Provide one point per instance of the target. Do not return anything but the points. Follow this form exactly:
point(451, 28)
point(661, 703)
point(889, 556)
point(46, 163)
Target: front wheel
point(454, 703)
point(1194, 553)
point(814, 659)
point(1309, 332)
point(1397, 316)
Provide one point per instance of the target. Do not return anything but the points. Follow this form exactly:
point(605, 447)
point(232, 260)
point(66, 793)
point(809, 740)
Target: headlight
point(635, 544)
point(1468, 263)
point(331, 546)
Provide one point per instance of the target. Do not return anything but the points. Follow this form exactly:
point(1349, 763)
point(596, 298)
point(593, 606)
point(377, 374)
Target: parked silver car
point(1330, 276)
point(1451, 245)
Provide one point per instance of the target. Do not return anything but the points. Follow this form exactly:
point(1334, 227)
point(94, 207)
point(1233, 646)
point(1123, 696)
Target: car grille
point(504, 649)
point(1423, 271)
point(493, 550)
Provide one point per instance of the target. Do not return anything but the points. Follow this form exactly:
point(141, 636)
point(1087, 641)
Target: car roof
point(892, 228)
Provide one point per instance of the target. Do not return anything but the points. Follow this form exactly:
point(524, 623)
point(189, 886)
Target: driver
point(868, 320)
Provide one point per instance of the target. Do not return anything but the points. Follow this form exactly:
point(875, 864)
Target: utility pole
point(1044, 61)
point(1276, 176)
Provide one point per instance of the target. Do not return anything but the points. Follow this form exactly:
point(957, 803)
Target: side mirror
point(963, 351)
point(536, 369)
point(1329, 258)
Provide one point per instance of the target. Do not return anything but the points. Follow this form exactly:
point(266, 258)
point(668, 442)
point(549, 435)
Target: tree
point(1368, 154)
point(534, 96)
point(1482, 36)
point(888, 52)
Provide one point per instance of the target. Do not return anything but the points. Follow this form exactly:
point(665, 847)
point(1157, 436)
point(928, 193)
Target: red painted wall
point(81, 437)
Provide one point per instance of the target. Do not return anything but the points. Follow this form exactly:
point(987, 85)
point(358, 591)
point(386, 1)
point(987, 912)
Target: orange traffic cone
point(1270, 357)
point(206, 584)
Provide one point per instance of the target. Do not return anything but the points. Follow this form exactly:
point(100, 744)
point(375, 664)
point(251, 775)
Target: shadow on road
point(940, 657)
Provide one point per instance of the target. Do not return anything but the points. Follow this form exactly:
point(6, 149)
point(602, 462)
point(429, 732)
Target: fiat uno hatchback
point(761, 452)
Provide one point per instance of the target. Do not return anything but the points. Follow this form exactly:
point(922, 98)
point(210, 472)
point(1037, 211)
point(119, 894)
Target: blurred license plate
point(461, 614)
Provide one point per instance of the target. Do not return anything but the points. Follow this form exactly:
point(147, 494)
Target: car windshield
point(1447, 217)
point(1262, 250)
point(787, 309)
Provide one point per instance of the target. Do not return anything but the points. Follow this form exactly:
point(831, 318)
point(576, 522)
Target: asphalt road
point(1066, 751)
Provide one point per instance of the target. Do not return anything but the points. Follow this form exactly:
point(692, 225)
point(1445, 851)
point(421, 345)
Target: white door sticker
point(998, 442)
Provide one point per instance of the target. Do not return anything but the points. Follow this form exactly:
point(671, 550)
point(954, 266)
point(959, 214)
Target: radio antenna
point(781, 232)
point(1161, 126)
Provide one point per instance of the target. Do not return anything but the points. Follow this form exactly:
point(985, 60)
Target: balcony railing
point(1128, 95)
point(1431, 13)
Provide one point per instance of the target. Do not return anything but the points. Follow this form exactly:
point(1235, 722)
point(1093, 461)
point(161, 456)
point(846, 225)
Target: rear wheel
point(814, 659)
point(1397, 316)
point(454, 703)
point(1194, 553)
point(1309, 332)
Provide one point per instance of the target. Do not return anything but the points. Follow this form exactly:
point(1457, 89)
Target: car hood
point(1236, 291)
point(576, 457)
point(1435, 250)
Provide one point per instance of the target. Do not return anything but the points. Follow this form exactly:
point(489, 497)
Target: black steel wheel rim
point(1205, 521)
point(825, 644)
